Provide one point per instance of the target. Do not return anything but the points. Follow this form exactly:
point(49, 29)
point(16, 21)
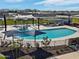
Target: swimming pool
point(50, 33)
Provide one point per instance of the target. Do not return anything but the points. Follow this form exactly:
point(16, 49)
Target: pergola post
point(38, 23)
point(33, 21)
point(15, 22)
point(35, 38)
point(69, 18)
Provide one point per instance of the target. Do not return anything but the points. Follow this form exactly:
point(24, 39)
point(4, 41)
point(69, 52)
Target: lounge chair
point(57, 52)
point(3, 44)
point(64, 50)
point(7, 44)
point(74, 47)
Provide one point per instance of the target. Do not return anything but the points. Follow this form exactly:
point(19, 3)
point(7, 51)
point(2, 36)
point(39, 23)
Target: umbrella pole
point(69, 16)
point(15, 22)
point(33, 21)
point(35, 39)
point(4, 36)
point(54, 44)
point(38, 23)
point(13, 40)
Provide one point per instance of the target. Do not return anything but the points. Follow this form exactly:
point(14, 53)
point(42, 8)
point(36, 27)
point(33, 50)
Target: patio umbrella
point(35, 33)
point(11, 33)
point(23, 18)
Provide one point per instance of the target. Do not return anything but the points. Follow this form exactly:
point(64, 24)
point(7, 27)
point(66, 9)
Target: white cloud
point(44, 2)
point(14, 1)
point(56, 2)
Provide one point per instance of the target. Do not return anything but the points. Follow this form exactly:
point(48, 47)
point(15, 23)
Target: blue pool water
point(50, 33)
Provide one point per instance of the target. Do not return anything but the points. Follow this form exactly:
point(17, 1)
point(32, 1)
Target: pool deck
point(73, 55)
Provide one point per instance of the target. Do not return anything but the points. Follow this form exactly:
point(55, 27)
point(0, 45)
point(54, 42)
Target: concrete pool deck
point(56, 41)
point(73, 55)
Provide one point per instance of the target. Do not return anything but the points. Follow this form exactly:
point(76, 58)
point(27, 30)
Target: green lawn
point(75, 20)
point(11, 22)
point(2, 57)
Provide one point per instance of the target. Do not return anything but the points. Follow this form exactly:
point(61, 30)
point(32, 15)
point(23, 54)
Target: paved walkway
point(73, 55)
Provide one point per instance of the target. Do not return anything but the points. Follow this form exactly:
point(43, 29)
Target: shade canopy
point(24, 17)
point(1, 18)
point(15, 32)
point(35, 32)
point(43, 16)
point(35, 16)
point(11, 33)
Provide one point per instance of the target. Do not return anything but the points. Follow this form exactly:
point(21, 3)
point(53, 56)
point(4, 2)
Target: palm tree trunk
point(5, 23)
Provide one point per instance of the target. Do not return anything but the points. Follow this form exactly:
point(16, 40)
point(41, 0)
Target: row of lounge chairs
point(63, 50)
point(5, 44)
point(57, 51)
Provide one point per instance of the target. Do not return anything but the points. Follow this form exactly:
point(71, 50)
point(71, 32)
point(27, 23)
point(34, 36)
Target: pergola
point(33, 17)
point(24, 17)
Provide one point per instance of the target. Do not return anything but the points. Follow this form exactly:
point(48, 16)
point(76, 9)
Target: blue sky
point(40, 4)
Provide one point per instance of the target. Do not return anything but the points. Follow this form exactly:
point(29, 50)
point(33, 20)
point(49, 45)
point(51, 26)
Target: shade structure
point(35, 33)
point(33, 17)
point(11, 33)
point(24, 17)
point(1, 18)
